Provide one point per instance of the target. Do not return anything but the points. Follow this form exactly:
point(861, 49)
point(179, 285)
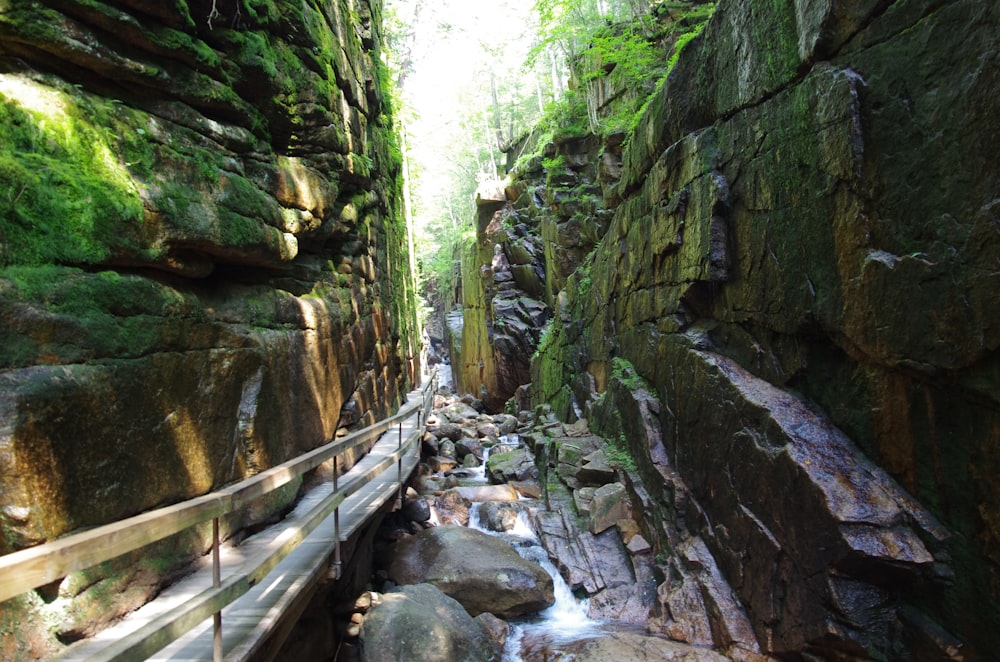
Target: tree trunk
point(503, 142)
point(557, 81)
point(538, 94)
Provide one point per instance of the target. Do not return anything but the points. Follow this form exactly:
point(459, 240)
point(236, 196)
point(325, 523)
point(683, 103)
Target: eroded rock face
point(204, 260)
point(797, 279)
point(497, 320)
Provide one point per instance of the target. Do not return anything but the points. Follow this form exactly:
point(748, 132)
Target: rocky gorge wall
point(494, 320)
point(203, 267)
point(791, 325)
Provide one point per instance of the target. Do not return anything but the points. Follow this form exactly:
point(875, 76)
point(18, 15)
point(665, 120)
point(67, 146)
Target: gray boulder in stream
point(518, 464)
point(421, 624)
point(620, 647)
point(482, 572)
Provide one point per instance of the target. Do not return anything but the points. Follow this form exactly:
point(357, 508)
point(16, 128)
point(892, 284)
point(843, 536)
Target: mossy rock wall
point(203, 258)
point(473, 368)
point(496, 326)
point(809, 223)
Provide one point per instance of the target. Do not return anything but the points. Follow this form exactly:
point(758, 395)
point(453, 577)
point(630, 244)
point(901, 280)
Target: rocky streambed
point(515, 543)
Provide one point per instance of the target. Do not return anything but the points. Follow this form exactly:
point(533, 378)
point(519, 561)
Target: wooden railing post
point(338, 564)
point(399, 470)
point(216, 583)
point(420, 427)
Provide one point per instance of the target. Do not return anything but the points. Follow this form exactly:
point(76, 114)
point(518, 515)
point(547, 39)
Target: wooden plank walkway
point(163, 629)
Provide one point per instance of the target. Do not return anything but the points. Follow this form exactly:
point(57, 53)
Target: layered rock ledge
point(203, 266)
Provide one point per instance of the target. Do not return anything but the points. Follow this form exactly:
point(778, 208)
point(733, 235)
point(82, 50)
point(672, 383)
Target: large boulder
point(419, 623)
point(518, 464)
point(482, 572)
point(452, 508)
point(450, 431)
point(498, 516)
point(610, 504)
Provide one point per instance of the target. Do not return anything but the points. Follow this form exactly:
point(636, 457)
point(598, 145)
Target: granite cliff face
point(203, 262)
point(791, 321)
point(501, 304)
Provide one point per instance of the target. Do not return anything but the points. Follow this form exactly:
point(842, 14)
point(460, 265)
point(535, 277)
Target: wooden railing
point(37, 566)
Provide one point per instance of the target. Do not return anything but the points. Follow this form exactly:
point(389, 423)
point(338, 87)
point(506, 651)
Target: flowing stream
point(567, 619)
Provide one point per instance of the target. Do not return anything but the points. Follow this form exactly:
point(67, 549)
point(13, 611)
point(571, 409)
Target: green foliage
point(363, 164)
point(439, 262)
point(684, 38)
point(635, 57)
point(72, 291)
point(631, 54)
point(110, 314)
point(584, 274)
point(565, 117)
point(262, 11)
point(569, 25)
point(625, 52)
point(625, 372)
point(555, 163)
point(549, 336)
point(257, 54)
point(618, 454)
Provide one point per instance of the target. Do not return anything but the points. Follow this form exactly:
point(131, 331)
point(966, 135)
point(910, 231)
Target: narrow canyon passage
point(713, 288)
point(451, 545)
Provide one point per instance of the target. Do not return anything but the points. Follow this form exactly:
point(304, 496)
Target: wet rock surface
point(621, 647)
point(498, 516)
point(485, 574)
point(512, 465)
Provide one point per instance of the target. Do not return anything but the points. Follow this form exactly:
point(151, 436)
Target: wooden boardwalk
point(168, 628)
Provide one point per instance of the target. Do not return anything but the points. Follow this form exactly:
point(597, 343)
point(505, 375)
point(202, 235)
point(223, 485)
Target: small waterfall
point(521, 536)
point(568, 616)
point(523, 529)
point(566, 619)
point(507, 442)
point(445, 378)
point(477, 475)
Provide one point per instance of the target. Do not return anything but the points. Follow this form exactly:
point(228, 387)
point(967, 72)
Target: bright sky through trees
point(466, 88)
point(448, 51)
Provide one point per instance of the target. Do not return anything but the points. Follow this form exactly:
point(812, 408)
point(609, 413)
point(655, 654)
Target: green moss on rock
point(65, 195)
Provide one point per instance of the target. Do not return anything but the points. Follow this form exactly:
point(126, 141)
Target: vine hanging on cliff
point(212, 15)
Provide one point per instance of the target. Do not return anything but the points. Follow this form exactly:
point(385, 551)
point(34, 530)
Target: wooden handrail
point(150, 638)
point(36, 566)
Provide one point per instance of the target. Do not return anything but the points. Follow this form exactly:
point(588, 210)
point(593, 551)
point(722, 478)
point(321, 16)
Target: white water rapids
point(566, 619)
